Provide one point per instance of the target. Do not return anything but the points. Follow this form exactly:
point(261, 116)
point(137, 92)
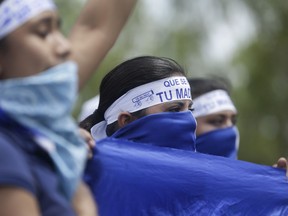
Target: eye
point(174, 109)
point(217, 121)
point(43, 33)
point(43, 28)
point(234, 120)
point(191, 109)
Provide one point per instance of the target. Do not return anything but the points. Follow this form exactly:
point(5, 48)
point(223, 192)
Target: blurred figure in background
point(216, 117)
point(88, 108)
point(145, 163)
point(42, 155)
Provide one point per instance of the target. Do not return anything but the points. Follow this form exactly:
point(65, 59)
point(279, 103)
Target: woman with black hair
point(216, 117)
point(145, 162)
point(42, 155)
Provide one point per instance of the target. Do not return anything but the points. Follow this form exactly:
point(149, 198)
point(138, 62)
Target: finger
point(282, 163)
point(91, 143)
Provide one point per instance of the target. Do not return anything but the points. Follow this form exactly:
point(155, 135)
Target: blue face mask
point(174, 130)
point(222, 142)
point(43, 103)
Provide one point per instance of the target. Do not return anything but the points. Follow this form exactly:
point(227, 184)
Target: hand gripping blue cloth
point(135, 179)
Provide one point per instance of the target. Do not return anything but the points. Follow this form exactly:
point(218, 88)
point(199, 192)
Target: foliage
point(181, 31)
point(264, 97)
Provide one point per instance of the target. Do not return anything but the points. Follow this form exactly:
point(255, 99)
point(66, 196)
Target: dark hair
point(202, 85)
point(2, 41)
point(128, 75)
point(87, 123)
point(3, 45)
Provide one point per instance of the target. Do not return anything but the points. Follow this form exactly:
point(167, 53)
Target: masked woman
point(216, 117)
point(41, 154)
point(145, 161)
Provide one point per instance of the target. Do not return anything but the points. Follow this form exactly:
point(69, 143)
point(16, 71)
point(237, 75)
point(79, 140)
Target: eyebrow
point(180, 103)
point(48, 19)
point(223, 115)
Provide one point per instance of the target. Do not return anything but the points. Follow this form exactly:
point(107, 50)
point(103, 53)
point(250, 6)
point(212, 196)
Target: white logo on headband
point(212, 102)
point(13, 13)
point(144, 96)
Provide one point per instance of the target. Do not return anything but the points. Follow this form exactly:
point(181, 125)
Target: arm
point(89, 141)
point(18, 198)
point(95, 32)
point(83, 202)
point(16, 201)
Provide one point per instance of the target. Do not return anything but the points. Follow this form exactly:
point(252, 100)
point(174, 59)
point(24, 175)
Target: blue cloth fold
point(167, 129)
point(129, 179)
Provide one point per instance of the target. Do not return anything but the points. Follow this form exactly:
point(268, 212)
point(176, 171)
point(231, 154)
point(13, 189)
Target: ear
point(125, 118)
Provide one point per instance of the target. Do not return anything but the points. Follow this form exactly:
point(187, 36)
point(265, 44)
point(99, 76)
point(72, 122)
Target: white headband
point(13, 13)
point(212, 102)
point(144, 96)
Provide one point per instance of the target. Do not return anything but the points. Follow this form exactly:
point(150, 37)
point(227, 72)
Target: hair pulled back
point(201, 86)
point(2, 41)
point(131, 74)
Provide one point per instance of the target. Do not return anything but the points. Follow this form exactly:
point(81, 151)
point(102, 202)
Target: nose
point(229, 122)
point(62, 46)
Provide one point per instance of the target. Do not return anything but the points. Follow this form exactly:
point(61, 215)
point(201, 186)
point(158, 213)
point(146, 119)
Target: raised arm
point(16, 201)
point(95, 32)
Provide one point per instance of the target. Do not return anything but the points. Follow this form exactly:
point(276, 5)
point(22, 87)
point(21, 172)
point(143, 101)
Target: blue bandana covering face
point(174, 130)
point(221, 142)
point(43, 104)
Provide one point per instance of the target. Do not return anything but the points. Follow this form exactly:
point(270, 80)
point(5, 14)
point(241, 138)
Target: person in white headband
point(145, 100)
point(216, 117)
point(42, 155)
point(144, 114)
point(133, 98)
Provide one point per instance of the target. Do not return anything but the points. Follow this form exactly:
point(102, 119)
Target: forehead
point(163, 106)
point(226, 113)
point(45, 15)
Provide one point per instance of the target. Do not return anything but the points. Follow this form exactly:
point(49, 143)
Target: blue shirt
point(24, 164)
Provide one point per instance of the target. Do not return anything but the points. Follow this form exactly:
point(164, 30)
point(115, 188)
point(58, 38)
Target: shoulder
point(29, 170)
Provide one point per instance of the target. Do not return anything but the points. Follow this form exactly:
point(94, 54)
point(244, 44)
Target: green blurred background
point(245, 41)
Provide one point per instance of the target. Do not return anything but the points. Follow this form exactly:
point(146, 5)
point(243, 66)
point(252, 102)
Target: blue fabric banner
point(135, 179)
